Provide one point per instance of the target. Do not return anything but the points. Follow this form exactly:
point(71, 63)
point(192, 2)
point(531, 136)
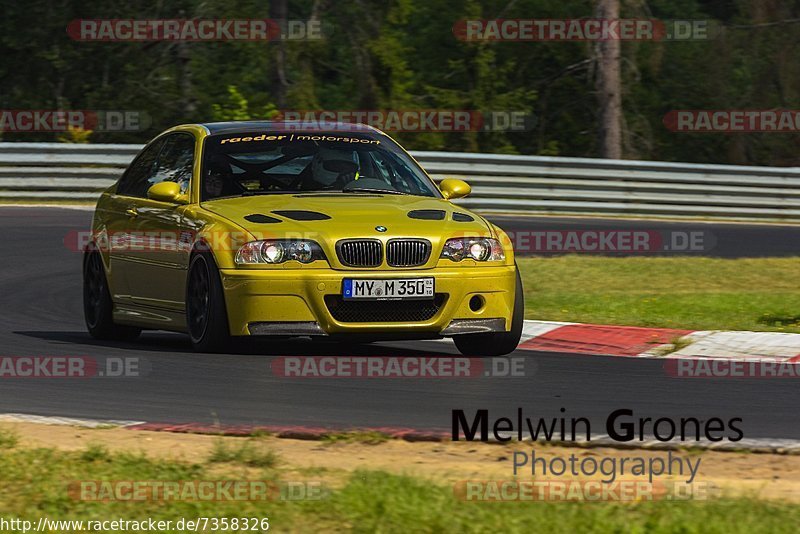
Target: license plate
point(395, 289)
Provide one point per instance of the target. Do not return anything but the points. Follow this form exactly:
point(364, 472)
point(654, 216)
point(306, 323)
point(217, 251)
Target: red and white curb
point(761, 445)
point(662, 343)
point(65, 421)
point(280, 431)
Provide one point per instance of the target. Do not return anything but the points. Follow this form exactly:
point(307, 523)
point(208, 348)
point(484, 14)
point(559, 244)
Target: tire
point(97, 303)
point(496, 343)
point(206, 316)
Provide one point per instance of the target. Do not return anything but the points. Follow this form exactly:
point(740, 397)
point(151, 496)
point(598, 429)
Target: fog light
point(476, 303)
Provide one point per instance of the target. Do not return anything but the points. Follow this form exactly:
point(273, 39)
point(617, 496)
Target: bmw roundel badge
point(380, 228)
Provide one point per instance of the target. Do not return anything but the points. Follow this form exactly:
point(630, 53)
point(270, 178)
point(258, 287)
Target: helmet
point(324, 176)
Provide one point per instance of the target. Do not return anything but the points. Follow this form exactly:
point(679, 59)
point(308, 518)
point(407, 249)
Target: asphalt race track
point(40, 298)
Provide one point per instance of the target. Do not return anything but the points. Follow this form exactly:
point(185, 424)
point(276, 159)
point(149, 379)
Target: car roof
point(230, 127)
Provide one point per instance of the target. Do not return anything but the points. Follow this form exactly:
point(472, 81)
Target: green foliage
point(403, 55)
point(237, 108)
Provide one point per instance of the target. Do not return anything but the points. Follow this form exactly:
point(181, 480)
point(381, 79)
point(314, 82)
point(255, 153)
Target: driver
point(218, 181)
point(326, 179)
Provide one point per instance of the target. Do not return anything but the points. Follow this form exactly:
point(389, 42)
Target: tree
point(278, 12)
point(609, 89)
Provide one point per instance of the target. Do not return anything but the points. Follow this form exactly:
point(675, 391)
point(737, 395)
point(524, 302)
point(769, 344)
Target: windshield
point(262, 163)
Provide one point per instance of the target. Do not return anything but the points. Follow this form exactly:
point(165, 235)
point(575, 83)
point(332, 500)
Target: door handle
point(131, 212)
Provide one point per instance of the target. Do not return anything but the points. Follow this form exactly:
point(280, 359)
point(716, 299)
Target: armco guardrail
point(515, 184)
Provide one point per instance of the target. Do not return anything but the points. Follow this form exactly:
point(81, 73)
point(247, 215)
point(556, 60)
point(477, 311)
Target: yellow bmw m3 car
point(274, 229)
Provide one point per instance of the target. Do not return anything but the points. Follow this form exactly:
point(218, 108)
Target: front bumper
point(293, 301)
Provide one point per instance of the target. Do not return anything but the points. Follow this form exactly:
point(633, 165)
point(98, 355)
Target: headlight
point(475, 248)
point(279, 251)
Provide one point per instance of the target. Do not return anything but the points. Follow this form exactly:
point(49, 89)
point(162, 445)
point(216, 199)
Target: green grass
point(366, 437)
point(250, 453)
point(380, 502)
point(35, 483)
point(691, 293)
point(95, 453)
point(8, 439)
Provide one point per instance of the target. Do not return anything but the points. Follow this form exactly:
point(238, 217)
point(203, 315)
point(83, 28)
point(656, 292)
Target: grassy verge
point(35, 483)
point(692, 293)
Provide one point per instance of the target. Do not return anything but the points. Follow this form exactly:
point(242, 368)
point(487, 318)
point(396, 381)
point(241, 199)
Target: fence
point(501, 183)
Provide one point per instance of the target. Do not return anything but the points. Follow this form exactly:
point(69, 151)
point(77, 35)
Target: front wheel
point(496, 343)
point(206, 316)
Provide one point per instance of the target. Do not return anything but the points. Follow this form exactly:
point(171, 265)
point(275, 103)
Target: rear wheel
point(206, 316)
point(496, 343)
point(97, 304)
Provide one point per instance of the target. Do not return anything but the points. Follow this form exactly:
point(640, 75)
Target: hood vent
point(462, 217)
point(261, 218)
point(302, 215)
point(428, 215)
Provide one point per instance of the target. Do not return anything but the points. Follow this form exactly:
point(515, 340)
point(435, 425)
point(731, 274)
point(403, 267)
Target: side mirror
point(166, 192)
point(452, 188)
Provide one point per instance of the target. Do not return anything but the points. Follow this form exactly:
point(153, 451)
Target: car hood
point(340, 216)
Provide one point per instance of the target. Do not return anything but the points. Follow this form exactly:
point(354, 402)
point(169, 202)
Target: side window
point(175, 162)
point(135, 178)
